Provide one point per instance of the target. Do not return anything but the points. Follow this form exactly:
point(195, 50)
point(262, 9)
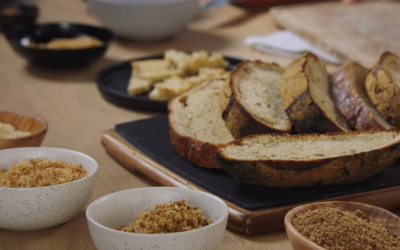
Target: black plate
point(67, 58)
point(151, 137)
point(26, 15)
point(113, 82)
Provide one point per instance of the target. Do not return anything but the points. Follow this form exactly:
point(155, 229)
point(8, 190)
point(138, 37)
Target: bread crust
point(305, 114)
point(349, 101)
point(383, 91)
point(203, 154)
point(237, 118)
point(189, 148)
point(292, 173)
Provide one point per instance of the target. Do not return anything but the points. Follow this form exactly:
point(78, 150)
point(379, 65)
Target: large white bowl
point(44, 207)
point(121, 208)
point(144, 19)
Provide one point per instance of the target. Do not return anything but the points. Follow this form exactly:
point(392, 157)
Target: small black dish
point(60, 58)
point(17, 14)
point(113, 82)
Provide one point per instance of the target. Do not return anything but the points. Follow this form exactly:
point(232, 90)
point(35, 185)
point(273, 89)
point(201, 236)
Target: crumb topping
point(39, 172)
point(168, 218)
point(336, 229)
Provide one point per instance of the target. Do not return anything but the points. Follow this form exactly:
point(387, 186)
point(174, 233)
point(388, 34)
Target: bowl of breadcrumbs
point(162, 218)
point(21, 130)
point(342, 226)
point(43, 187)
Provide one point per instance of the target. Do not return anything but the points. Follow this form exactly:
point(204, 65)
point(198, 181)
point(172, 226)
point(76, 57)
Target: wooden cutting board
point(359, 32)
point(145, 146)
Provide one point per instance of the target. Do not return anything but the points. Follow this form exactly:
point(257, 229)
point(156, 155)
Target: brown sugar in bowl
point(36, 125)
point(375, 214)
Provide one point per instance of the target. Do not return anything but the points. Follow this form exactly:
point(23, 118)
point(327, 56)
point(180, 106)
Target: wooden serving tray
point(144, 146)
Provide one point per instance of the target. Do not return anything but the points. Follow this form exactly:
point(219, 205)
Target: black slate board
point(151, 137)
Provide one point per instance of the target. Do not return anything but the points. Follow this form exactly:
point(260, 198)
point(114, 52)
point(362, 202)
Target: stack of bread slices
point(295, 126)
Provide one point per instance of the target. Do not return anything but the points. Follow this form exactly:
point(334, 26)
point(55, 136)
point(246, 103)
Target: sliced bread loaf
point(348, 92)
point(255, 105)
point(309, 159)
point(305, 96)
point(196, 127)
point(383, 87)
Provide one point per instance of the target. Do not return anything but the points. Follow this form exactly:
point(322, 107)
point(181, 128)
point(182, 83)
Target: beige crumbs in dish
point(168, 218)
point(81, 42)
point(336, 229)
point(39, 172)
point(7, 131)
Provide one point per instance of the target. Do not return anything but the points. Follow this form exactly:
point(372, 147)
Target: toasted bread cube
point(179, 59)
point(216, 60)
point(153, 70)
point(138, 86)
point(169, 88)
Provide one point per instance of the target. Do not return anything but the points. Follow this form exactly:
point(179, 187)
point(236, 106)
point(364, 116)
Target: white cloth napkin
point(289, 44)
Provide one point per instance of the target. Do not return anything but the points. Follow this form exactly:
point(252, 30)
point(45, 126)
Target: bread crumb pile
point(335, 229)
point(7, 131)
point(81, 42)
point(168, 218)
point(39, 172)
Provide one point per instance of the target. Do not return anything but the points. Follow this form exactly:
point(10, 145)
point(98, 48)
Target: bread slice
point(383, 87)
point(305, 96)
point(225, 95)
point(309, 159)
point(255, 105)
point(348, 92)
point(196, 127)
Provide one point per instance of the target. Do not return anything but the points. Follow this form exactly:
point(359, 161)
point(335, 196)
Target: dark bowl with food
point(60, 45)
point(17, 14)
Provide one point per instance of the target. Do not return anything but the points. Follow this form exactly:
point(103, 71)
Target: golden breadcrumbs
point(168, 218)
point(7, 131)
point(39, 172)
point(335, 229)
point(81, 42)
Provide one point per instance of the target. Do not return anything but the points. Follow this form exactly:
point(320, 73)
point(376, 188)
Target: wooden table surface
point(77, 114)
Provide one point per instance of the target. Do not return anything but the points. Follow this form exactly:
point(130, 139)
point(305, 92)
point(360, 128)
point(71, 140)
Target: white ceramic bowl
point(44, 207)
point(144, 19)
point(121, 208)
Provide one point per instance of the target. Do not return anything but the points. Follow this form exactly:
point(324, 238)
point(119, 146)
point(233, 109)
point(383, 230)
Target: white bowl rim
point(88, 217)
point(96, 167)
point(141, 2)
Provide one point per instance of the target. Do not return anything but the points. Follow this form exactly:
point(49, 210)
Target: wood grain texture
point(36, 125)
point(77, 115)
point(240, 220)
point(374, 214)
point(351, 31)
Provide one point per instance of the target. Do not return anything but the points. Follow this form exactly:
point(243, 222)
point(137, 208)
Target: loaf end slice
point(255, 106)
point(286, 161)
point(196, 127)
point(383, 87)
point(305, 96)
point(348, 92)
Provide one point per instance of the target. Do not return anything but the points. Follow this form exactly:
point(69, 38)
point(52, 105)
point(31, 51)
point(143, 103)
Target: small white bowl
point(43, 207)
point(144, 20)
point(120, 209)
